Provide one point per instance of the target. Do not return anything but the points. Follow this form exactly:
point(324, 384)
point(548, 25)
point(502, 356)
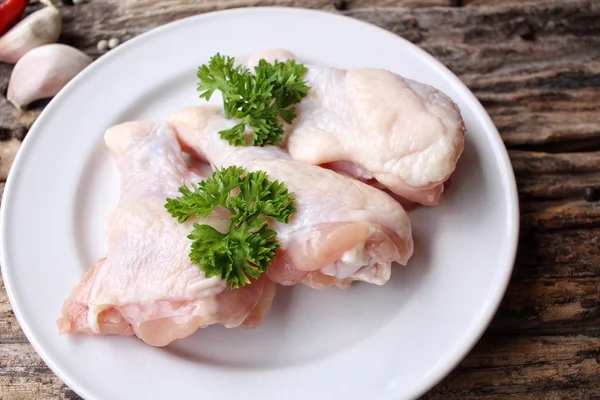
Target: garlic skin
point(43, 72)
point(40, 28)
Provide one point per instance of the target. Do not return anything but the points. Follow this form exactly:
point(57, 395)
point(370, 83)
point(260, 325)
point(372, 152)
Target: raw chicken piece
point(378, 127)
point(147, 285)
point(344, 230)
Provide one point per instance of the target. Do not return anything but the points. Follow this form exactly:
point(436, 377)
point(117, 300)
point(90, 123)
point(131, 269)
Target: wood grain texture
point(535, 66)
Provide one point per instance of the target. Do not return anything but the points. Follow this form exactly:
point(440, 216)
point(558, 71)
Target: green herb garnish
point(247, 248)
point(257, 99)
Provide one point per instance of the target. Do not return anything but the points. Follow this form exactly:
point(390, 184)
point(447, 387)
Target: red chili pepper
point(10, 12)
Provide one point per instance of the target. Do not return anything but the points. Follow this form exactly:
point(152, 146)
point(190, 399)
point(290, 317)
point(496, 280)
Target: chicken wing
point(378, 127)
point(147, 286)
point(344, 230)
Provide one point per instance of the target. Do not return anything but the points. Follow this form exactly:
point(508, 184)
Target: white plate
point(368, 342)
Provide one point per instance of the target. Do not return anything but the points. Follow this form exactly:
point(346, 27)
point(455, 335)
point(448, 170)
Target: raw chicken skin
point(403, 134)
point(146, 286)
point(344, 230)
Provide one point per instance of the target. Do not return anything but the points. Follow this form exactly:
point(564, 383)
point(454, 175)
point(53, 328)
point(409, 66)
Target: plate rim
point(452, 359)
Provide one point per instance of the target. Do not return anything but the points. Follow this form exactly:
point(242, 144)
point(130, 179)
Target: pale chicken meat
point(376, 126)
point(146, 285)
point(343, 230)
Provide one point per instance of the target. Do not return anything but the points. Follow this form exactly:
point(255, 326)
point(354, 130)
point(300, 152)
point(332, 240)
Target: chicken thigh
point(343, 230)
point(378, 127)
point(147, 286)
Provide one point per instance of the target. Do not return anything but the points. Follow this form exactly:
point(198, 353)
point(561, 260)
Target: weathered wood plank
point(513, 367)
point(561, 215)
point(38, 388)
point(535, 66)
point(549, 252)
point(184, 8)
point(10, 331)
point(565, 312)
point(541, 92)
point(519, 80)
point(556, 186)
point(24, 376)
point(527, 163)
point(526, 368)
point(8, 151)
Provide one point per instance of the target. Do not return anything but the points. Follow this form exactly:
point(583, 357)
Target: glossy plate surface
point(368, 342)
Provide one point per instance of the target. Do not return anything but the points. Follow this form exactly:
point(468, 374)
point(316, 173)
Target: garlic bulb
point(40, 28)
point(43, 72)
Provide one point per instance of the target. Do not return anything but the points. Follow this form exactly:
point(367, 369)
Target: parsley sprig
point(257, 99)
point(247, 249)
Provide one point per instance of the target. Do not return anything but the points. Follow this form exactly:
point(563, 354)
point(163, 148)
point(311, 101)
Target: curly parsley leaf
point(258, 99)
point(206, 196)
point(260, 196)
point(247, 249)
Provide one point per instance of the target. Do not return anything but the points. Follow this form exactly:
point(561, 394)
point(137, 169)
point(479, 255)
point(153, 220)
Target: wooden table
point(535, 66)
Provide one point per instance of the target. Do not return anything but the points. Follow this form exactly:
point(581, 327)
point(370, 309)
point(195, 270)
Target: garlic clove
point(43, 72)
point(40, 28)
